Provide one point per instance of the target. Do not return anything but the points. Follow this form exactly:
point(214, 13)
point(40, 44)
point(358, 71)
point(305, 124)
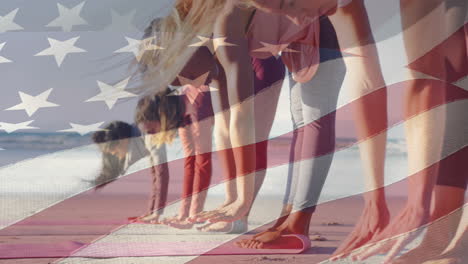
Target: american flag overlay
point(233, 131)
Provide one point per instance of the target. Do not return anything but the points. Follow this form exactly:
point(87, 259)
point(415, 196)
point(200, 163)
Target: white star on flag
point(191, 88)
point(212, 43)
point(60, 49)
point(122, 23)
point(7, 24)
point(139, 47)
point(274, 49)
point(110, 94)
point(3, 59)
point(68, 17)
point(83, 129)
point(11, 127)
point(32, 103)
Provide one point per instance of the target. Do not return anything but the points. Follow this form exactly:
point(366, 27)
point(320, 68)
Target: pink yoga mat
point(288, 244)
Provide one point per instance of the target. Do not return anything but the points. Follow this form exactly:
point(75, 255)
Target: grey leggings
point(313, 134)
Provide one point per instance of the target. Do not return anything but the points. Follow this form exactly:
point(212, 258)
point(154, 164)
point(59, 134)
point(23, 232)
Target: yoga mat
point(288, 244)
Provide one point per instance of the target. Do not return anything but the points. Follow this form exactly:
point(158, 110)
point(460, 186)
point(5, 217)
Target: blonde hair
point(174, 33)
point(160, 67)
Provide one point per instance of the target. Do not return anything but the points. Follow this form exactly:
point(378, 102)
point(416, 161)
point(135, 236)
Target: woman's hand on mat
point(374, 218)
point(397, 235)
point(229, 213)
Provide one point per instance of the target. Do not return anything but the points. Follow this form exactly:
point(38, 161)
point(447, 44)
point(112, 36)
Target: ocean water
point(45, 164)
point(18, 147)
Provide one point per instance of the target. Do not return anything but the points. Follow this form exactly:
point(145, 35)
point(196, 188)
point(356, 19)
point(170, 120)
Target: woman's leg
point(296, 150)
point(364, 74)
point(239, 85)
point(293, 172)
point(364, 77)
point(202, 135)
point(269, 76)
point(330, 50)
point(220, 104)
point(160, 185)
point(189, 170)
point(293, 168)
point(318, 99)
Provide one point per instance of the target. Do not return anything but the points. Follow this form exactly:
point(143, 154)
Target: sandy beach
point(343, 211)
point(98, 220)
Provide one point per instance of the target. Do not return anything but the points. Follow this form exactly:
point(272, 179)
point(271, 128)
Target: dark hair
point(112, 166)
point(113, 131)
point(163, 108)
point(159, 107)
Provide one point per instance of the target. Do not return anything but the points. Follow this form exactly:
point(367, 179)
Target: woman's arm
point(160, 179)
point(364, 77)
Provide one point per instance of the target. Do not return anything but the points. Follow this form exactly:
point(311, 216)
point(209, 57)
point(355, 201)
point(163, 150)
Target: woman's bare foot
point(152, 218)
point(196, 218)
point(296, 223)
point(279, 224)
point(229, 213)
point(175, 218)
point(259, 240)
